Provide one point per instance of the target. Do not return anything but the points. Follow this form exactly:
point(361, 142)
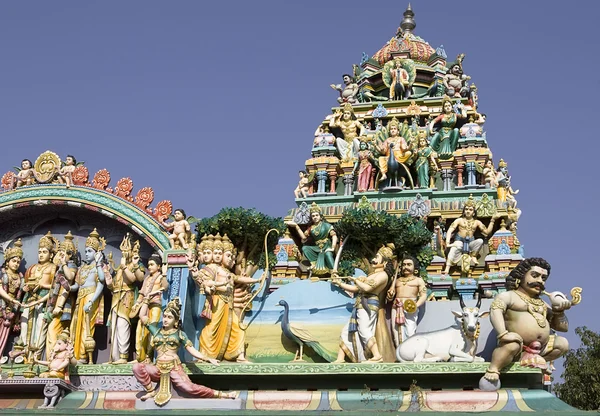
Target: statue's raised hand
point(98, 257)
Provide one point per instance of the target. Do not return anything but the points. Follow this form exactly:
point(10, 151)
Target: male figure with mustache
point(523, 322)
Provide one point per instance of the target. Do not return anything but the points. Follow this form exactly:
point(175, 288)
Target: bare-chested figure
point(181, 229)
point(65, 174)
point(409, 293)
point(26, 175)
point(523, 321)
point(464, 240)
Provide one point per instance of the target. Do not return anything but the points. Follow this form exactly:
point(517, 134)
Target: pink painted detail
point(7, 180)
point(91, 208)
point(22, 205)
point(176, 259)
point(282, 400)
point(120, 400)
point(163, 210)
point(58, 202)
point(81, 176)
point(461, 401)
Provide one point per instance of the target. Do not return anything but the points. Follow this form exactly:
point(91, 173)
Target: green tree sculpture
point(246, 228)
point(581, 386)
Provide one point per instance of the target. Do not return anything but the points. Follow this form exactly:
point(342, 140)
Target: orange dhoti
point(222, 337)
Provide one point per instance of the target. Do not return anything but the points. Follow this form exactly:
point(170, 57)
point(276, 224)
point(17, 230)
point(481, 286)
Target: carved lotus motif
point(124, 188)
point(7, 180)
point(163, 210)
point(81, 175)
point(144, 197)
point(101, 179)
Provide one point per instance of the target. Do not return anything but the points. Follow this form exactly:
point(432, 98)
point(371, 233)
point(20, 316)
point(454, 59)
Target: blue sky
point(214, 104)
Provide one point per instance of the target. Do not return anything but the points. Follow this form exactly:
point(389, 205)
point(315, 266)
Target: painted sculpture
point(394, 152)
point(180, 228)
point(167, 341)
point(445, 140)
point(426, 166)
point(65, 173)
point(351, 129)
point(364, 164)
point(301, 190)
point(11, 292)
point(348, 92)
point(59, 358)
point(455, 81)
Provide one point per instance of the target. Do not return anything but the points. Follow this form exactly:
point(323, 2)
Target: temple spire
point(408, 23)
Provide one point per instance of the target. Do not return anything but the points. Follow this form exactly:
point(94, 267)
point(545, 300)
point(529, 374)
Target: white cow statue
point(455, 343)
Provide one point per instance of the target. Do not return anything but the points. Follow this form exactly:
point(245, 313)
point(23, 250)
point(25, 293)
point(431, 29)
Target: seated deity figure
point(148, 306)
point(324, 240)
point(167, 341)
point(301, 190)
point(465, 247)
point(358, 340)
point(38, 281)
point(455, 81)
point(26, 175)
point(524, 322)
point(351, 129)
point(65, 173)
point(11, 292)
point(395, 144)
point(409, 293)
point(222, 337)
point(60, 303)
point(89, 284)
point(348, 92)
point(489, 174)
point(122, 287)
point(181, 229)
point(445, 140)
point(59, 359)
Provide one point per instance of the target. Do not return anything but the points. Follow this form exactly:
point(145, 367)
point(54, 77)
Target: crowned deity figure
point(318, 241)
point(445, 140)
point(395, 144)
point(60, 303)
point(364, 338)
point(148, 306)
point(89, 283)
point(349, 91)
point(524, 323)
point(351, 129)
point(11, 292)
point(505, 191)
point(122, 287)
point(455, 81)
point(399, 88)
point(425, 165)
point(38, 281)
point(408, 293)
point(364, 164)
point(465, 247)
point(61, 355)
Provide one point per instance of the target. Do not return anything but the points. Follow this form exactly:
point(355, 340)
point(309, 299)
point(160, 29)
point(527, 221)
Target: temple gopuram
point(397, 282)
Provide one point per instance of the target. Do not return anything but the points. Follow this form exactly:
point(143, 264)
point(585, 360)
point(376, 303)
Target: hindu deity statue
point(38, 281)
point(222, 337)
point(351, 129)
point(149, 307)
point(409, 293)
point(319, 241)
point(89, 283)
point(65, 173)
point(60, 302)
point(361, 339)
point(455, 80)
point(523, 321)
point(167, 341)
point(11, 292)
point(505, 192)
point(122, 286)
point(395, 144)
point(489, 174)
point(181, 230)
point(59, 358)
point(465, 247)
point(26, 175)
point(349, 91)
point(445, 140)
point(301, 190)
point(399, 88)
point(364, 164)
point(425, 165)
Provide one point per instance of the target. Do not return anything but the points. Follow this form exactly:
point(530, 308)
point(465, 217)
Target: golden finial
point(470, 202)
point(315, 208)
point(502, 163)
point(48, 242)
point(393, 122)
point(227, 244)
point(68, 243)
point(387, 251)
point(95, 241)
point(15, 251)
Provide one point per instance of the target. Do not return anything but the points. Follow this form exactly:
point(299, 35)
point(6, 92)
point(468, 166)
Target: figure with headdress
point(445, 139)
point(408, 293)
point(60, 303)
point(149, 306)
point(505, 192)
point(122, 285)
point(59, 359)
point(167, 370)
point(364, 164)
point(351, 128)
point(455, 81)
point(38, 281)
point(360, 339)
point(465, 247)
point(394, 144)
point(89, 283)
point(349, 91)
point(11, 292)
point(425, 165)
point(399, 75)
point(318, 241)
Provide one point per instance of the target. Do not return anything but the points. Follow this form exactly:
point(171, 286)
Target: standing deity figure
point(351, 129)
point(455, 80)
point(38, 281)
point(148, 306)
point(181, 230)
point(167, 370)
point(65, 173)
point(364, 164)
point(122, 287)
point(489, 174)
point(358, 339)
point(26, 175)
point(409, 293)
point(505, 191)
point(60, 303)
point(523, 322)
point(89, 283)
point(465, 247)
point(445, 140)
point(399, 88)
point(349, 92)
point(301, 190)
point(395, 144)
point(61, 355)
point(425, 165)
point(241, 284)
point(323, 241)
point(11, 292)
point(222, 337)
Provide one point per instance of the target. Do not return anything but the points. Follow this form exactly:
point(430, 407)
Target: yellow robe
point(222, 337)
